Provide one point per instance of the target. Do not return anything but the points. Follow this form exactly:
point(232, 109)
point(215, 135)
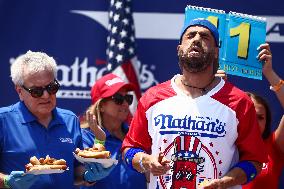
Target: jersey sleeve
point(249, 141)
point(138, 136)
point(275, 151)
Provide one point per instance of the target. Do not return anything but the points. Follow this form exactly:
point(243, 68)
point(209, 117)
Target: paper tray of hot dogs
point(45, 165)
point(45, 171)
point(105, 162)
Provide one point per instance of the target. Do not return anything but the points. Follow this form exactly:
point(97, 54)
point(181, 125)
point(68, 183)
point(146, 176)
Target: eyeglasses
point(119, 99)
point(37, 92)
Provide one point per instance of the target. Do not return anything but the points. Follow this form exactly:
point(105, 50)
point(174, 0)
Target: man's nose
point(45, 94)
point(197, 37)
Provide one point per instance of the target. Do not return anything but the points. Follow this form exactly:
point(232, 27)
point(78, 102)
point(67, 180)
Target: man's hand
point(19, 180)
point(213, 184)
point(156, 165)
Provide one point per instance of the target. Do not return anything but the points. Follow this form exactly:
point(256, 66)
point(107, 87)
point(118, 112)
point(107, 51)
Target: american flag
point(121, 51)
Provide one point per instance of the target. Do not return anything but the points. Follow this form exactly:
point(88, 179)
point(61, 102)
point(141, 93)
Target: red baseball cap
point(107, 86)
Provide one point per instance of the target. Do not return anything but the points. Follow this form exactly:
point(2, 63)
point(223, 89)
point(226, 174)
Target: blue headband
point(202, 22)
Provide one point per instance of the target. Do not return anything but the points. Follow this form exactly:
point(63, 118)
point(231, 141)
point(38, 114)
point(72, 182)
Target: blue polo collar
point(26, 116)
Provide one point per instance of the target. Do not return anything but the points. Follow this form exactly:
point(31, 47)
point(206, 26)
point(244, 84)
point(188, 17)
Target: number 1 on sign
point(243, 31)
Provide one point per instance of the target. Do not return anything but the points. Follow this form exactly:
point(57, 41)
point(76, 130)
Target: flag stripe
point(131, 76)
point(121, 52)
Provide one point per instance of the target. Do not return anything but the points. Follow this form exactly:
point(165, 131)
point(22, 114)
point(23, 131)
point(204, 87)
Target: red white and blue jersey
point(204, 137)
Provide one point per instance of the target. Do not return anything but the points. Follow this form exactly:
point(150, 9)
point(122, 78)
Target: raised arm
point(265, 55)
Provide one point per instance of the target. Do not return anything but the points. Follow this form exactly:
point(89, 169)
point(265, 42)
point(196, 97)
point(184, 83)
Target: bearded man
point(195, 127)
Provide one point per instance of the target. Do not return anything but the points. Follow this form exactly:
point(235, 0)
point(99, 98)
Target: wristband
point(278, 86)
point(5, 182)
point(249, 169)
point(129, 155)
point(97, 141)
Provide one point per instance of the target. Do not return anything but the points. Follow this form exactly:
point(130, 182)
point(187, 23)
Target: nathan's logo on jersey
point(192, 162)
point(186, 162)
point(194, 126)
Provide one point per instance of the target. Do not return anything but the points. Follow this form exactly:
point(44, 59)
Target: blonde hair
point(95, 109)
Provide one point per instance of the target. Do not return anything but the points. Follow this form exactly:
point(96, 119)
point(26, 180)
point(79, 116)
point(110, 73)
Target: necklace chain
point(203, 89)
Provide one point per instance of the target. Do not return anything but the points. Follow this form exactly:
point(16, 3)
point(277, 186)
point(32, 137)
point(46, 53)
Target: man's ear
point(19, 90)
point(178, 48)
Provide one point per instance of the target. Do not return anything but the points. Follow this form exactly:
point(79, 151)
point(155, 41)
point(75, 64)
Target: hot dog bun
point(98, 151)
point(34, 161)
point(45, 167)
point(45, 164)
point(97, 155)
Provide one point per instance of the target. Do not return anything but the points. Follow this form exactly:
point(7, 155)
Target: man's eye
point(191, 35)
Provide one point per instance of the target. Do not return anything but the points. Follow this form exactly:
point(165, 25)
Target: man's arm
point(143, 162)
point(236, 176)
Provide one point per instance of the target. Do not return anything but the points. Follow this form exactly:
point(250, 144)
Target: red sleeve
point(274, 150)
point(138, 135)
point(249, 141)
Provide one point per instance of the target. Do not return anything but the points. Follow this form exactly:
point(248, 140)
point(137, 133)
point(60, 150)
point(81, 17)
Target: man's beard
point(195, 64)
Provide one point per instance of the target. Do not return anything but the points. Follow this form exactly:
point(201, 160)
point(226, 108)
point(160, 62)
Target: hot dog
point(98, 151)
point(97, 155)
point(34, 161)
point(45, 167)
point(46, 163)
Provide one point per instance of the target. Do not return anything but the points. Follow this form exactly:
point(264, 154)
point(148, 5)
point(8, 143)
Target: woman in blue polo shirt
point(111, 101)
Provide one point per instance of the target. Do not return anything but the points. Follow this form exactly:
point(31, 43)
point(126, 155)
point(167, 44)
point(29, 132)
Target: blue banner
point(75, 34)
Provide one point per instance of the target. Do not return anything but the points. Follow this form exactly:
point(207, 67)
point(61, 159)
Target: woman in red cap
point(110, 111)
